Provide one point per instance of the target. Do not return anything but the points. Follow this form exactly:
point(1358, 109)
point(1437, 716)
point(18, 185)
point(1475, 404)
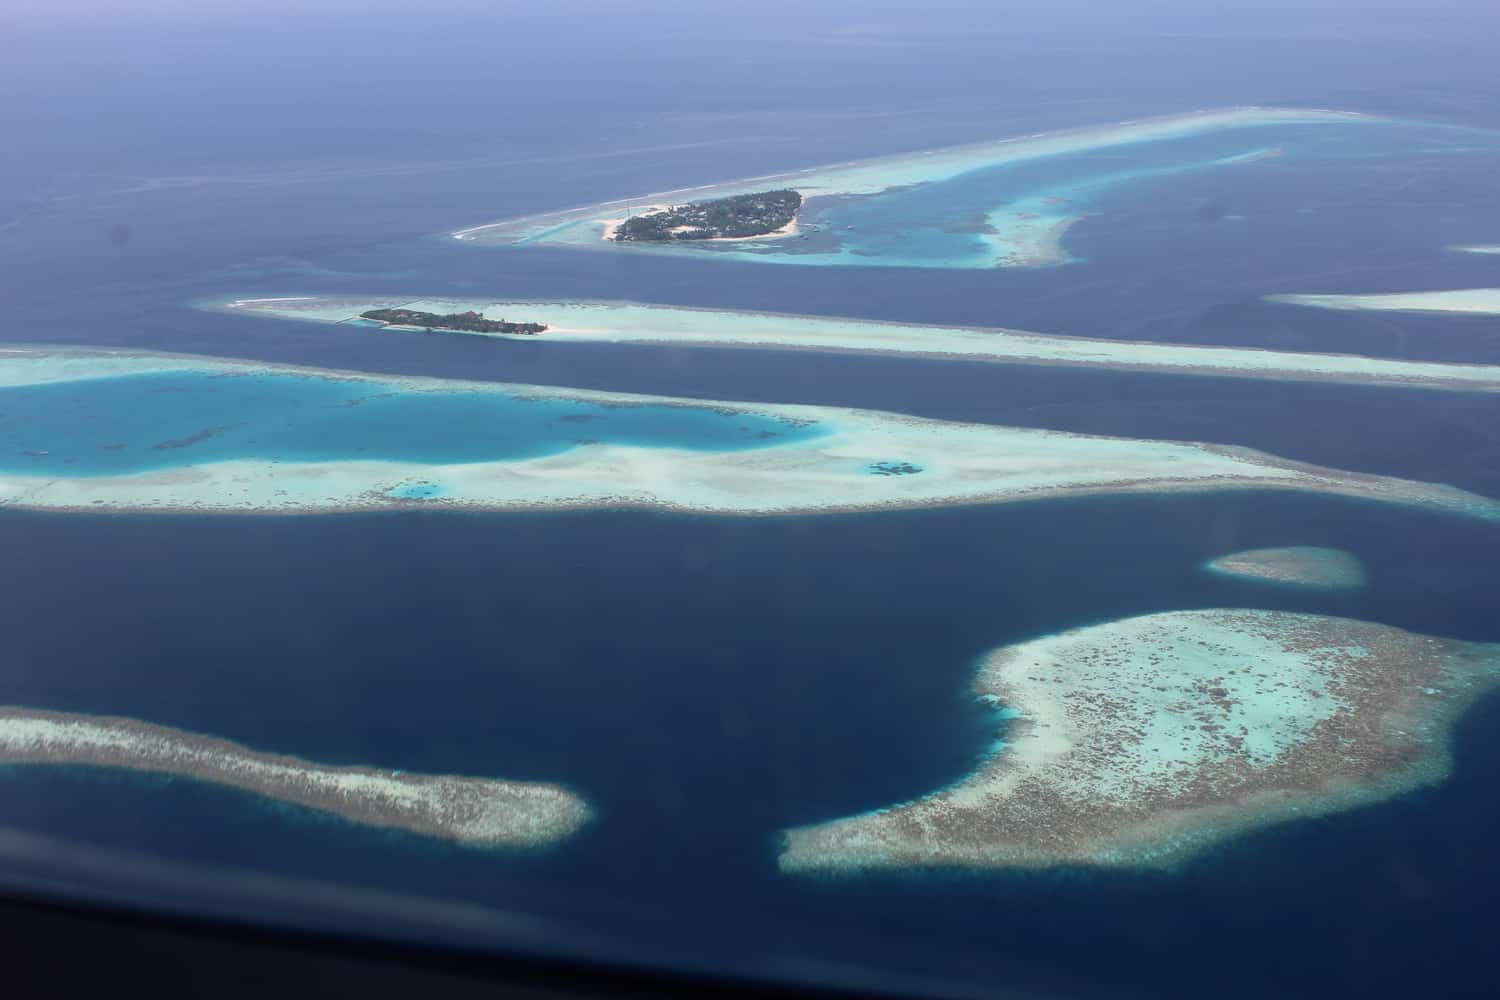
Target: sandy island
point(1141, 741)
point(857, 460)
point(628, 323)
point(482, 812)
point(1300, 565)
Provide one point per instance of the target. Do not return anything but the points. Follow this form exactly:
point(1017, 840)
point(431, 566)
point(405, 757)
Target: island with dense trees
point(467, 322)
point(737, 217)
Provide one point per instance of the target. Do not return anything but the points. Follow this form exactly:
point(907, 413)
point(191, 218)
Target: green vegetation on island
point(737, 217)
point(468, 322)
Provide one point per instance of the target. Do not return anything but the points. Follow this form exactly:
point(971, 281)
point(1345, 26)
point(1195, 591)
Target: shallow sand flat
point(1477, 248)
point(863, 460)
point(1140, 741)
point(1303, 565)
point(1479, 301)
point(861, 177)
point(1018, 241)
point(475, 811)
point(627, 323)
point(1028, 231)
point(22, 365)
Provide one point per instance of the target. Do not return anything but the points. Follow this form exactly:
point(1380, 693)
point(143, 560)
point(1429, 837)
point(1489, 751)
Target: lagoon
point(152, 420)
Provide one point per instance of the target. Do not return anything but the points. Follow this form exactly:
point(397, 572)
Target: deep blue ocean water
point(706, 682)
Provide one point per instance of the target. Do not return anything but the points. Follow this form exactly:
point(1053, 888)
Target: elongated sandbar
point(872, 176)
point(1474, 301)
point(484, 812)
point(1301, 565)
point(1138, 742)
point(821, 460)
point(627, 323)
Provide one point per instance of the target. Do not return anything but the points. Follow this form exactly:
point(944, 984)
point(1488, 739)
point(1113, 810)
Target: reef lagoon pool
point(151, 420)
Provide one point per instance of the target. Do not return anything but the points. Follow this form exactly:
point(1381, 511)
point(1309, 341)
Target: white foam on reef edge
point(237, 303)
point(631, 323)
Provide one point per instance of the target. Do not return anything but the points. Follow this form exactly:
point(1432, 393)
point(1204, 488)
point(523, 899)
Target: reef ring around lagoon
point(146, 432)
point(1141, 741)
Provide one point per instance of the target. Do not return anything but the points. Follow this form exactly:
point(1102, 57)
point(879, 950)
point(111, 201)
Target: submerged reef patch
point(1140, 741)
point(481, 812)
point(1473, 301)
point(1301, 565)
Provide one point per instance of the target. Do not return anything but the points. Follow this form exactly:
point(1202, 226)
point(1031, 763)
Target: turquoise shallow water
point(134, 423)
point(937, 225)
point(419, 491)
